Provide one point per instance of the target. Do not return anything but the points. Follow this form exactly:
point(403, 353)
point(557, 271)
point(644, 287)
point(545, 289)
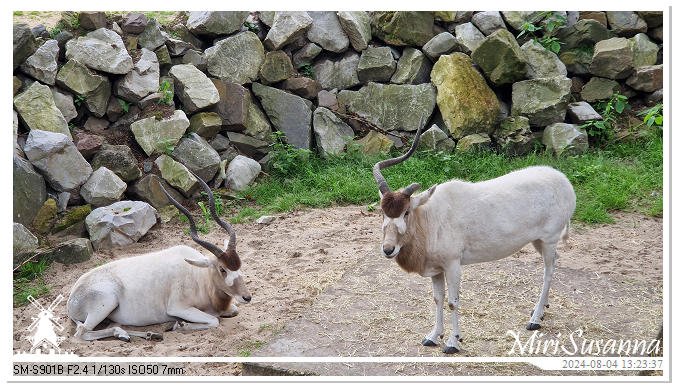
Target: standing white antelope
point(176, 284)
point(435, 232)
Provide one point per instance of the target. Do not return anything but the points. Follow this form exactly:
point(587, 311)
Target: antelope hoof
point(153, 336)
point(125, 338)
point(429, 343)
point(533, 326)
point(450, 350)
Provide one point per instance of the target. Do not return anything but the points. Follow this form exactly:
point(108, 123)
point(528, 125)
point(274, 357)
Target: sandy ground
point(291, 261)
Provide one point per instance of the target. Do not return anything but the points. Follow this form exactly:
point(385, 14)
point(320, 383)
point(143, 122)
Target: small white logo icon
point(45, 340)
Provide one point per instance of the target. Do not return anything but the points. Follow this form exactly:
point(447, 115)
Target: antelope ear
point(422, 197)
point(200, 262)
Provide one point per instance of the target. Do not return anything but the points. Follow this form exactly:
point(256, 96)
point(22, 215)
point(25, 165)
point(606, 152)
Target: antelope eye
point(406, 214)
point(221, 270)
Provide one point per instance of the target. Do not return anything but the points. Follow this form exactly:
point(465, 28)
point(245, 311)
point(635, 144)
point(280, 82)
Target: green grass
point(620, 177)
point(28, 281)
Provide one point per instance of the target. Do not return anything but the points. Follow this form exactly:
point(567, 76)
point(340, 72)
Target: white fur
point(149, 289)
point(489, 220)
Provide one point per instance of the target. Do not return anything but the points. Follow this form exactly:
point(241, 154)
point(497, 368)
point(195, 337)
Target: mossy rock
point(42, 224)
point(75, 215)
point(404, 28)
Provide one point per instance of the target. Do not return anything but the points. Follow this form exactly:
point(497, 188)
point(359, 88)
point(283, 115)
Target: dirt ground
point(292, 260)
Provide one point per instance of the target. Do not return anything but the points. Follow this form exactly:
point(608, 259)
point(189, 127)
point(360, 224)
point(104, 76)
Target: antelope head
point(398, 207)
point(225, 265)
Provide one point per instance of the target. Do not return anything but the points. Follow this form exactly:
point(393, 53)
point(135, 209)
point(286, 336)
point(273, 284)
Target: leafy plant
point(601, 131)
point(124, 104)
point(653, 116)
point(166, 90)
point(56, 30)
point(307, 70)
point(166, 146)
point(555, 21)
point(252, 27)
point(286, 158)
point(75, 23)
point(79, 99)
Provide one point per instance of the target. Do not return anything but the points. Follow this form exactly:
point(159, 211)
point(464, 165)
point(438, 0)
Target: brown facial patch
point(230, 260)
point(394, 204)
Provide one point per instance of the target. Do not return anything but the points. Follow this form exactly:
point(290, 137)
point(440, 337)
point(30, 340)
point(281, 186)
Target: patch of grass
point(620, 177)
point(248, 347)
point(28, 281)
point(18, 13)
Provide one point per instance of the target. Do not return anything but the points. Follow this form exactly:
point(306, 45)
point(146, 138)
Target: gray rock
point(288, 113)
point(195, 58)
point(40, 31)
point(377, 64)
point(442, 43)
point(102, 50)
point(103, 188)
point(93, 90)
point(646, 78)
point(249, 145)
point(197, 155)
point(436, 140)
point(15, 127)
point(120, 224)
point(514, 136)
point(265, 219)
point(625, 23)
point(277, 67)
point(542, 62)
point(516, 19)
point(331, 133)
point(340, 74)
point(586, 32)
point(177, 175)
point(236, 58)
point(501, 58)
point(148, 190)
point(565, 139)
point(488, 22)
point(233, 105)
point(156, 135)
point(328, 99)
point(468, 37)
point(327, 32)
point(49, 152)
point(473, 142)
point(576, 61)
point(134, 23)
point(356, 25)
point(241, 172)
point(142, 80)
point(582, 112)
point(193, 88)
point(599, 89)
point(164, 59)
point(287, 27)
point(92, 20)
point(403, 28)
point(612, 58)
point(42, 65)
point(393, 107)
point(257, 125)
point(267, 17)
point(306, 54)
point(177, 47)
point(220, 143)
point(23, 44)
point(73, 251)
point(64, 102)
point(213, 23)
point(205, 124)
point(29, 191)
point(62, 38)
point(152, 38)
point(644, 51)
point(38, 111)
point(655, 97)
point(542, 100)
point(413, 68)
point(119, 159)
point(23, 239)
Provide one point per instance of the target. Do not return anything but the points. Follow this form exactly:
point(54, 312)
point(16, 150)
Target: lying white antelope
point(176, 284)
point(456, 223)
